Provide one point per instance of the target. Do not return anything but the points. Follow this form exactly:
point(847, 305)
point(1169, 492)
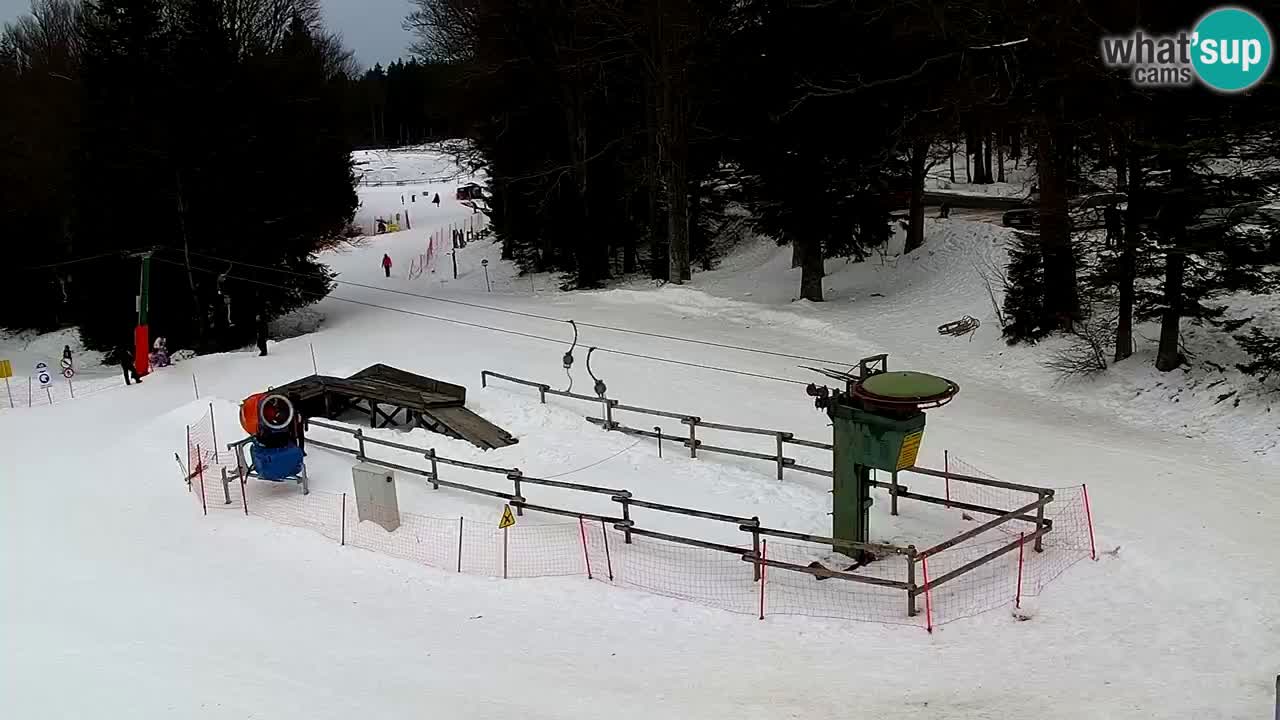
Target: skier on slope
point(124, 355)
point(436, 200)
point(260, 327)
point(386, 264)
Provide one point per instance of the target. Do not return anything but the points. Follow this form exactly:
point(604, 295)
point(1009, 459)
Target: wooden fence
point(1033, 513)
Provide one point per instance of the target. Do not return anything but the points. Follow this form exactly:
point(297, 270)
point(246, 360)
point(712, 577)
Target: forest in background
point(620, 139)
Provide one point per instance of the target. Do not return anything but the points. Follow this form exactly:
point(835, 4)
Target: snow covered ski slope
point(121, 600)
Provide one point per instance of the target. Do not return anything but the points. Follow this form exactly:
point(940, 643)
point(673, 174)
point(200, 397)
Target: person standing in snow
point(124, 355)
point(386, 264)
point(436, 200)
point(260, 325)
point(1114, 224)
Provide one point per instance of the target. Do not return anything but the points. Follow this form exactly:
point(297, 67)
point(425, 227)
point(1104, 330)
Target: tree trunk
point(197, 310)
point(811, 266)
point(1000, 158)
point(676, 147)
point(797, 254)
point(1128, 254)
point(987, 177)
point(915, 225)
point(978, 177)
point(653, 181)
point(951, 156)
point(1061, 301)
point(1169, 355)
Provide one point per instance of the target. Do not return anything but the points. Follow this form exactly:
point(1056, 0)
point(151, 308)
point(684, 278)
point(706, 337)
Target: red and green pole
point(141, 339)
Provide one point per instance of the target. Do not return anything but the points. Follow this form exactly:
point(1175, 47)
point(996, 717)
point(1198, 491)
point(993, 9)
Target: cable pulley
point(600, 386)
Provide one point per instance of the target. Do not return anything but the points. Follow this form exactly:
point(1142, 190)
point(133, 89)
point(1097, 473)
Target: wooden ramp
point(396, 398)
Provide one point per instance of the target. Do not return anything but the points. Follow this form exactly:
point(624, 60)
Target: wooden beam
point(1011, 515)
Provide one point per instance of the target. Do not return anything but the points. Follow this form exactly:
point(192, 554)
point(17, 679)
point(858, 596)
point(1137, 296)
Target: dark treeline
point(624, 137)
point(405, 103)
point(194, 129)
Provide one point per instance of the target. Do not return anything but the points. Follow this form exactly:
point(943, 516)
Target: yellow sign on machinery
point(6, 369)
point(910, 449)
point(508, 519)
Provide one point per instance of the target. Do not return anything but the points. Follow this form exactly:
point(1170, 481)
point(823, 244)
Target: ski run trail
point(120, 600)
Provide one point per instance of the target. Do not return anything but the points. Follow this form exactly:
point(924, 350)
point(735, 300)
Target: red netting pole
point(585, 558)
point(460, 544)
point(928, 601)
point(1017, 599)
point(604, 532)
point(200, 468)
point(190, 468)
point(504, 553)
point(764, 554)
point(342, 534)
point(946, 469)
point(1093, 550)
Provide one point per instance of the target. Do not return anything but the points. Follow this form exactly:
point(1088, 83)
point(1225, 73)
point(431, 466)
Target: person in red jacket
point(386, 264)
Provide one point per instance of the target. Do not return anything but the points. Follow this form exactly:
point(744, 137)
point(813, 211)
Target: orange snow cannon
point(262, 413)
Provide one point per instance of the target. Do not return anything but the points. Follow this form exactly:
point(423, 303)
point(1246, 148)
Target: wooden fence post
point(435, 471)
point(911, 581)
point(755, 548)
point(1039, 546)
point(693, 436)
point(626, 518)
point(514, 476)
point(781, 462)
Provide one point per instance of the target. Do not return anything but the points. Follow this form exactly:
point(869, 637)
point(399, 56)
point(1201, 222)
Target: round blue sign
point(1231, 49)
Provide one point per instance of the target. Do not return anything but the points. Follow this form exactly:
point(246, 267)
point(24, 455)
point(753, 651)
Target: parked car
point(1086, 213)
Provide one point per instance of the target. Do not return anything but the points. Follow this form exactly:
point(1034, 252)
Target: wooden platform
point(386, 393)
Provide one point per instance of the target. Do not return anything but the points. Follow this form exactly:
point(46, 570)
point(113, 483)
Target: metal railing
point(1032, 512)
point(782, 462)
point(608, 406)
point(626, 501)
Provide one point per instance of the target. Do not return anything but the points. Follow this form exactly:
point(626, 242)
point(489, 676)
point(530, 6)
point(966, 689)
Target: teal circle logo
point(1231, 49)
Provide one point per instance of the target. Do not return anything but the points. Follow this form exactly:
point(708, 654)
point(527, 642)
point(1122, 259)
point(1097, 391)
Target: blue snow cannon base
point(276, 464)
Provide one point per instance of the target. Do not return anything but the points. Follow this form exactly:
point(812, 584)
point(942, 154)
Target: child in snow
point(436, 200)
point(386, 264)
point(160, 352)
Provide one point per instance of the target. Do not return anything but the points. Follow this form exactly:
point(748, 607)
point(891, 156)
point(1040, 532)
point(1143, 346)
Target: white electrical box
point(376, 496)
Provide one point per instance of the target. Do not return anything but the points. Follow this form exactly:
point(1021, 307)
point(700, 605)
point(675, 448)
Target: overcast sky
point(370, 27)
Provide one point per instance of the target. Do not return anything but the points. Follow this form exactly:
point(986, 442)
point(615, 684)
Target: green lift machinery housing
point(877, 424)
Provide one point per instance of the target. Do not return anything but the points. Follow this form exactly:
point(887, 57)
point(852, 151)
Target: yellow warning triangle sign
point(507, 518)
